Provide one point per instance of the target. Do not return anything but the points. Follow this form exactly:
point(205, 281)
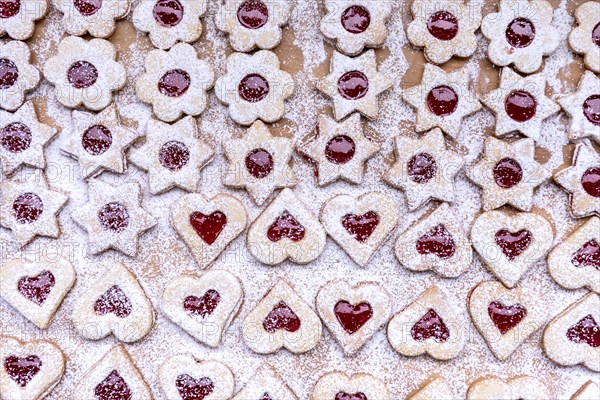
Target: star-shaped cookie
point(354, 84)
point(583, 107)
point(442, 99)
point(339, 150)
point(508, 174)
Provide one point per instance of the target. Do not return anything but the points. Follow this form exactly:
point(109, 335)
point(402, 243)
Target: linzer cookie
point(282, 320)
point(510, 243)
point(17, 75)
point(585, 38)
point(266, 384)
point(589, 391)
point(435, 387)
point(583, 106)
point(17, 17)
point(36, 289)
point(436, 327)
point(519, 387)
point(96, 17)
point(339, 386)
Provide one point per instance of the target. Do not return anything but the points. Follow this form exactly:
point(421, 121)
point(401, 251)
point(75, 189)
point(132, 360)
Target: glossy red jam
point(22, 370)
point(203, 306)
point(356, 19)
point(168, 13)
point(421, 168)
point(506, 317)
point(96, 140)
point(353, 85)
point(259, 163)
point(9, 73)
point(113, 387)
point(508, 173)
point(114, 217)
point(443, 25)
point(15, 137)
point(82, 74)
point(114, 301)
point(9, 8)
point(352, 317)
point(442, 101)
point(193, 389)
point(286, 226)
point(28, 208)
point(591, 181)
point(282, 317)
point(37, 288)
point(174, 156)
point(520, 32)
point(253, 88)
point(208, 227)
point(340, 149)
point(520, 105)
point(174, 83)
point(596, 35)
point(266, 396)
point(348, 396)
point(587, 255)
point(87, 8)
point(585, 331)
point(430, 326)
point(361, 227)
point(253, 14)
point(437, 241)
point(513, 244)
point(591, 109)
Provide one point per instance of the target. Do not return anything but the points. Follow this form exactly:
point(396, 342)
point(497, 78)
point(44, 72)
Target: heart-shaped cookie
point(510, 243)
point(360, 225)
point(436, 242)
point(282, 320)
point(339, 386)
point(573, 336)
point(286, 229)
point(183, 377)
point(266, 384)
point(115, 303)
point(520, 387)
point(36, 289)
point(431, 325)
point(203, 306)
point(589, 391)
point(435, 387)
point(207, 226)
point(506, 317)
point(353, 313)
point(29, 370)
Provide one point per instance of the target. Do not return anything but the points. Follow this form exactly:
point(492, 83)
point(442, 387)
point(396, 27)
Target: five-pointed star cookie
point(173, 155)
point(583, 107)
point(339, 150)
point(354, 84)
point(442, 99)
point(113, 217)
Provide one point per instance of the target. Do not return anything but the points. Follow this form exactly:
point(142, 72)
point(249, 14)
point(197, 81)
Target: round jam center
point(174, 155)
point(87, 8)
point(28, 208)
point(16, 137)
point(353, 85)
point(591, 181)
point(596, 35)
point(421, 168)
point(443, 25)
point(356, 19)
point(508, 173)
point(442, 101)
point(253, 88)
point(96, 140)
point(9, 73)
point(174, 83)
point(82, 75)
point(114, 217)
point(520, 105)
point(168, 13)
point(591, 109)
point(253, 14)
point(259, 163)
point(340, 149)
point(520, 32)
point(9, 8)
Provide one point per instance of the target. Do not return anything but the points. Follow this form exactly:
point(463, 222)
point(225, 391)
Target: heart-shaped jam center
point(37, 288)
point(513, 244)
point(16, 137)
point(253, 14)
point(421, 168)
point(353, 85)
point(348, 396)
point(437, 241)
point(87, 8)
point(520, 105)
point(352, 317)
point(361, 227)
point(506, 317)
point(174, 155)
point(208, 227)
point(203, 306)
point(340, 149)
point(253, 88)
point(96, 140)
point(587, 255)
point(28, 208)
point(443, 25)
point(520, 32)
point(282, 317)
point(193, 389)
point(22, 369)
point(82, 74)
point(113, 387)
point(9, 8)
point(585, 331)
point(174, 83)
point(286, 226)
point(114, 217)
point(168, 13)
point(429, 326)
point(259, 163)
point(591, 107)
point(9, 73)
point(591, 181)
point(114, 301)
point(356, 19)
point(508, 173)
point(442, 101)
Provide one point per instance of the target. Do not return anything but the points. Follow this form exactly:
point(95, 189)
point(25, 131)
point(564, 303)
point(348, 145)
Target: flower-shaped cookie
point(508, 174)
point(170, 21)
point(583, 107)
point(356, 24)
point(175, 82)
point(99, 142)
point(17, 17)
point(520, 104)
point(354, 84)
point(253, 23)
point(585, 39)
point(94, 16)
point(254, 87)
point(444, 28)
point(22, 139)
point(17, 75)
point(173, 155)
point(85, 72)
point(520, 33)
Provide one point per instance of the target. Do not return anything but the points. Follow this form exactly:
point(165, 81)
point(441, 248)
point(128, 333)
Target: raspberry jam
point(259, 163)
point(513, 244)
point(114, 301)
point(266, 397)
point(174, 156)
point(253, 88)
point(587, 255)
point(9, 73)
point(437, 241)
point(253, 14)
point(286, 226)
point(430, 326)
point(22, 370)
point(82, 74)
point(28, 208)
point(208, 227)
point(520, 32)
point(591, 181)
point(87, 8)
point(591, 109)
point(506, 317)
point(114, 217)
point(174, 83)
point(15, 137)
point(353, 85)
point(37, 288)
point(340, 149)
point(9, 8)
point(442, 101)
point(520, 105)
point(282, 317)
point(421, 168)
point(361, 227)
point(168, 13)
point(352, 317)
point(96, 140)
point(443, 25)
point(585, 331)
point(356, 19)
point(203, 306)
point(508, 173)
point(347, 396)
point(193, 389)
point(113, 387)
point(596, 35)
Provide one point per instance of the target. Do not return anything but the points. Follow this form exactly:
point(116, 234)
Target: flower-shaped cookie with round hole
point(520, 33)
point(585, 38)
point(253, 23)
point(175, 82)
point(583, 107)
point(96, 17)
point(17, 75)
point(356, 24)
point(85, 72)
point(17, 17)
point(254, 87)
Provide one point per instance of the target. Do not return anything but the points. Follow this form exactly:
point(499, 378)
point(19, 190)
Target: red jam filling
point(506, 317)
point(443, 25)
point(253, 14)
point(82, 74)
point(520, 32)
point(508, 173)
point(96, 140)
point(113, 387)
point(585, 331)
point(37, 288)
point(194, 389)
point(361, 227)
point(266, 397)
point(9, 73)
point(203, 306)
point(168, 13)
point(442, 101)
point(259, 163)
point(253, 88)
point(513, 244)
point(340, 149)
point(356, 19)
point(430, 326)
point(9, 8)
point(114, 301)
point(174, 155)
point(15, 137)
point(437, 241)
point(520, 105)
point(421, 168)
point(286, 226)
point(28, 208)
point(282, 317)
point(22, 370)
point(587, 255)
point(174, 83)
point(348, 396)
point(87, 8)
point(591, 181)
point(596, 35)
point(591, 109)
point(208, 227)
point(352, 317)
point(353, 85)
point(114, 217)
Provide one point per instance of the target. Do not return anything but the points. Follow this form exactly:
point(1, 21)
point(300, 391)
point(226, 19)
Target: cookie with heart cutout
point(114, 376)
point(589, 391)
point(37, 288)
point(436, 242)
point(266, 384)
point(506, 317)
point(511, 243)
point(435, 387)
point(431, 324)
point(208, 226)
point(286, 230)
point(114, 304)
point(203, 306)
point(186, 377)
point(98, 18)
point(585, 38)
point(575, 263)
point(583, 106)
point(519, 387)
point(282, 320)
point(339, 386)
point(17, 17)
point(353, 314)
point(360, 225)
point(573, 336)
point(17, 75)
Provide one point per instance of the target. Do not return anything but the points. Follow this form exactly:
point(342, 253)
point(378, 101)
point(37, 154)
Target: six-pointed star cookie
point(583, 107)
point(113, 217)
point(354, 84)
point(508, 173)
point(339, 150)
